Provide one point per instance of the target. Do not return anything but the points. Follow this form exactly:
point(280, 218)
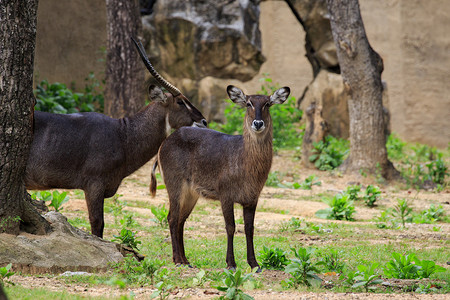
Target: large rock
point(195, 39)
point(66, 248)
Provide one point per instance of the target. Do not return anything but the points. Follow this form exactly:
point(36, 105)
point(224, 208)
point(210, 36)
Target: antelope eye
point(248, 104)
point(181, 103)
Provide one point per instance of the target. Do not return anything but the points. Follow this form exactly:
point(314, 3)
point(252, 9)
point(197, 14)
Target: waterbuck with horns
point(199, 162)
point(93, 152)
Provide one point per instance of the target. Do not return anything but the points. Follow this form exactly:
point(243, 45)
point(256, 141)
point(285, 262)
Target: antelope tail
point(153, 181)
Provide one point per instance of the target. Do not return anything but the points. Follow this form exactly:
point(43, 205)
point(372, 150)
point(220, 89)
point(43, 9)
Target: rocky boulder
point(195, 39)
point(66, 248)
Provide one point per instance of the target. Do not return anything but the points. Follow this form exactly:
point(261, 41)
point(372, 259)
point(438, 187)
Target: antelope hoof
point(259, 270)
point(184, 265)
point(231, 269)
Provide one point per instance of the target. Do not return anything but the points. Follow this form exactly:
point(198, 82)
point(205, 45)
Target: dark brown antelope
point(93, 152)
point(199, 162)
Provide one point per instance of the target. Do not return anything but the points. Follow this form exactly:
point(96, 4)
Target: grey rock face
point(195, 39)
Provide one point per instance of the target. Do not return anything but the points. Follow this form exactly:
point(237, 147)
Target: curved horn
point(171, 88)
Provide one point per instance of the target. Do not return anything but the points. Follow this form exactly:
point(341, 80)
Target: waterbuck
point(199, 162)
point(93, 152)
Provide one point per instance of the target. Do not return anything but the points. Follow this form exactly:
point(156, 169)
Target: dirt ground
point(294, 203)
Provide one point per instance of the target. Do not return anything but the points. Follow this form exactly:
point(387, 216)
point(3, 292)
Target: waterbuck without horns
point(93, 152)
point(218, 166)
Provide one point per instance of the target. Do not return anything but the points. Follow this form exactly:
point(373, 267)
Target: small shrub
point(273, 259)
point(294, 224)
point(309, 182)
point(56, 198)
point(426, 289)
point(402, 211)
point(385, 221)
point(395, 147)
point(427, 268)
point(366, 277)
point(128, 238)
point(161, 213)
point(329, 154)
point(332, 261)
point(233, 282)
point(434, 213)
point(5, 273)
point(353, 191)
point(58, 98)
point(437, 170)
point(401, 267)
point(341, 208)
point(371, 195)
point(302, 269)
point(273, 179)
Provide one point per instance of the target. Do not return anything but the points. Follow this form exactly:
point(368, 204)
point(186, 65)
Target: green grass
point(18, 292)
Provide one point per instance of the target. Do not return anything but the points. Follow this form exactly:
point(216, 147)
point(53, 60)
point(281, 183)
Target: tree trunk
point(361, 69)
point(18, 37)
point(124, 70)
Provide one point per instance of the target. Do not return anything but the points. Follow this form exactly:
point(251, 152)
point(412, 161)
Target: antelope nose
point(204, 122)
point(258, 124)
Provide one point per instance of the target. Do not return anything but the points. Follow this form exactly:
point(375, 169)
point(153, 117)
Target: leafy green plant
point(332, 261)
point(427, 267)
point(341, 208)
point(128, 221)
point(7, 222)
point(309, 182)
point(5, 273)
point(437, 170)
point(302, 269)
point(161, 213)
point(371, 195)
point(56, 198)
point(385, 221)
point(366, 277)
point(162, 287)
point(426, 288)
point(58, 98)
point(353, 191)
point(273, 179)
point(128, 238)
point(402, 211)
point(329, 154)
point(294, 224)
point(42, 195)
point(233, 282)
point(273, 259)
point(395, 147)
point(199, 279)
point(402, 267)
point(430, 215)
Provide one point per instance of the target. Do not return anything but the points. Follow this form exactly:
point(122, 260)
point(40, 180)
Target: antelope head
point(180, 111)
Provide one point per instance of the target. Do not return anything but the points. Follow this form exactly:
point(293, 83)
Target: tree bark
point(124, 70)
point(361, 69)
point(18, 37)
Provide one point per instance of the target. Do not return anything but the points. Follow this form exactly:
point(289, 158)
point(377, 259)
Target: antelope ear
point(237, 95)
point(156, 94)
point(280, 95)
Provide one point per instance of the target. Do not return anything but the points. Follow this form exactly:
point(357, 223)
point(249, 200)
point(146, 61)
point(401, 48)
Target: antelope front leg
point(249, 220)
point(94, 201)
point(228, 214)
